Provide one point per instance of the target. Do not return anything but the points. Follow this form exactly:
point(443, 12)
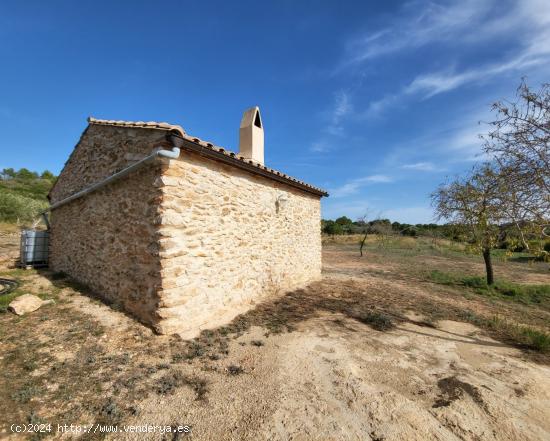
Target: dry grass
point(48, 355)
point(9, 228)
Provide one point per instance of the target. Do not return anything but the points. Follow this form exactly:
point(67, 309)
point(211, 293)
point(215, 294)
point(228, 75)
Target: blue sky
point(377, 102)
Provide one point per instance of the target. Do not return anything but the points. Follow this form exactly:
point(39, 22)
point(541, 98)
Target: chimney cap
point(251, 135)
point(252, 117)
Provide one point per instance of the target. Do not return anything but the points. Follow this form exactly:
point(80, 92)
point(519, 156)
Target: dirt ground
point(371, 352)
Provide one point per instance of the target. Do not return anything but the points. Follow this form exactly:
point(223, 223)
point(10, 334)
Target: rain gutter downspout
point(158, 152)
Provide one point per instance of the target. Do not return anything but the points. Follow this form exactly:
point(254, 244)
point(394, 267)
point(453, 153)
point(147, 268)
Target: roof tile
point(220, 150)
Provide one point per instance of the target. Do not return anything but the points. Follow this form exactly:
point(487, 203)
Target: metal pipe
point(171, 154)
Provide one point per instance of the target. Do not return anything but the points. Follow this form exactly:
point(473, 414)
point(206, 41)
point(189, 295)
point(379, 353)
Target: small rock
point(27, 303)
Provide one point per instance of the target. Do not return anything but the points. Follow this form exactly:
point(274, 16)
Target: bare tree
point(520, 144)
point(383, 233)
point(365, 220)
point(366, 228)
point(473, 204)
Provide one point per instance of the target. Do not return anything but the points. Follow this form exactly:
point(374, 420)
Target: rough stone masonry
point(182, 244)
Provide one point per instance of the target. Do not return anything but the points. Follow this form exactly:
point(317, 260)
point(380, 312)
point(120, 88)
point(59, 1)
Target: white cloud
point(421, 23)
point(421, 166)
point(435, 83)
point(524, 24)
point(342, 107)
point(440, 148)
point(464, 144)
point(378, 107)
point(321, 146)
point(355, 185)
point(377, 179)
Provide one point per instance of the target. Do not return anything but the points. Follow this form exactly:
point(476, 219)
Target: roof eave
point(232, 159)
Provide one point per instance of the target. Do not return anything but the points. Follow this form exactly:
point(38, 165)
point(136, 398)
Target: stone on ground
point(27, 303)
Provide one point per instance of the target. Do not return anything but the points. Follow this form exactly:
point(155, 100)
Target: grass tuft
point(376, 320)
point(174, 379)
point(235, 370)
point(502, 289)
point(522, 335)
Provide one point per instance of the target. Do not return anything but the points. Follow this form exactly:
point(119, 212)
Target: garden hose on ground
point(7, 286)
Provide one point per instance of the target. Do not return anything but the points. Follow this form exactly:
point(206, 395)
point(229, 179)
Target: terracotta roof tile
point(139, 124)
point(214, 148)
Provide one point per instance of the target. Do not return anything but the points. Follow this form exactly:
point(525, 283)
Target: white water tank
point(34, 248)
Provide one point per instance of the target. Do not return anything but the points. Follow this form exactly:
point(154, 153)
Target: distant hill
point(23, 194)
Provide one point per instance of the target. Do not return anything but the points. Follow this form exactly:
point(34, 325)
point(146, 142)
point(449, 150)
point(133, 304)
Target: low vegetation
point(538, 294)
point(368, 296)
point(23, 194)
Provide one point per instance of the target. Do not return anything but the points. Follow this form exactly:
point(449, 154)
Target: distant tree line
point(23, 194)
point(344, 225)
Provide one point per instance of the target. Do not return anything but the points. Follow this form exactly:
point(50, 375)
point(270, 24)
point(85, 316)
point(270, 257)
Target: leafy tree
point(519, 142)
point(474, 204)
point(332, 228)
point(17, 208)
point(48, 175)
point(343, 220)
point(26, 175)
point(346, 224)
point(8, 173)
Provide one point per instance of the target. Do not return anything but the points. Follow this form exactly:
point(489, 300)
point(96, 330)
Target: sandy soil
point(330, 378)
point(335, 379)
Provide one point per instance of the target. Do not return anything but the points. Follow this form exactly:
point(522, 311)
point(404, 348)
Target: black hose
point(7, 286)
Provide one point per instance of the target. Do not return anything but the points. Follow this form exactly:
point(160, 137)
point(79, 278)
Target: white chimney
point(251, 135)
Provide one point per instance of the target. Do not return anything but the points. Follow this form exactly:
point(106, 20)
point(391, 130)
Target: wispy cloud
point(422, 166)
point(464, 144)
point(342, 107)
point(527, 21)
point(379, 107)
point(353, 186)
point(419, 24)
point(321, 146)
point(447, 147)
point(431, 84)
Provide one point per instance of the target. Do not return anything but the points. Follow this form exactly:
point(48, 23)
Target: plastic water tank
point(34, 248)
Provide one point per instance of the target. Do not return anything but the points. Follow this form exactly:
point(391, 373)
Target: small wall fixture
point(280, 202)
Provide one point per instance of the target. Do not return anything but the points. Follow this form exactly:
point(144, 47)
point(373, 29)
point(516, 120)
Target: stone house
point(182, 234)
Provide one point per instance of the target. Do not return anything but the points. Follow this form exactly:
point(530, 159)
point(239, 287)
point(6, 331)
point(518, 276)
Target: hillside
point(23, 194)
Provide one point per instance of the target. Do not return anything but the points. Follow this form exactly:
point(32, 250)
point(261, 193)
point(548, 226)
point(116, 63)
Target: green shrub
point(475, 282)
point(332, 228)
point(535, 339)
point(23, 194)
point(14, 207)
point(442, 278)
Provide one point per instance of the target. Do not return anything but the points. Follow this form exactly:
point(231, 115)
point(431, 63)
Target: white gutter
point(171, 154)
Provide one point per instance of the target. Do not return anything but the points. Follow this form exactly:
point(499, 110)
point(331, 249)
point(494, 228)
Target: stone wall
point(226, 242)
point(102, 151)
point(183, 244)
point(108, 239)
